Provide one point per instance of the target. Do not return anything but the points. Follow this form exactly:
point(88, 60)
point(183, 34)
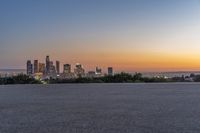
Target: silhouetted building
point(110, 71)
point(29, 67)
point(36, 69)
point(47, 65)
point(57, 67)
point(42, 68)
point(66, 68)
point(79, 71)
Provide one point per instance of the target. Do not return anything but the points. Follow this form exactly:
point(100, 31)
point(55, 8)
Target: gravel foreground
point(100, 108)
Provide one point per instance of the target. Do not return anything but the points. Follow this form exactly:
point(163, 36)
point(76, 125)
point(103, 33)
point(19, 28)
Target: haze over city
point(129, 35)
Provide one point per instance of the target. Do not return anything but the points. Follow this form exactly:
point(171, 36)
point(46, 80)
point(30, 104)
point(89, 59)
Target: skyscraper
point(66, 68)
point(29, 68)
point(47, 64)
point(110, 71)
point(42, 68)
point(36, 69)
point(52, 68)
point(57, 67)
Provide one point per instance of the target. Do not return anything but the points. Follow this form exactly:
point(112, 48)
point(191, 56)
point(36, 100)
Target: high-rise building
point(57, 67)
point(110, 71)
point(29, 68)
point(66, 68)
point(47, 64)
point(36, 69)
point(52, 68)
point(42, 68)
point(79, 71)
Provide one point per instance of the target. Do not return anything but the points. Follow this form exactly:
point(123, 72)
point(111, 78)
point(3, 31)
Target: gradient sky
point(130, 35)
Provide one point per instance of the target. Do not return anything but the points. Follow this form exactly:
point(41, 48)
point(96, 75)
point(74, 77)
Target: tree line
point(117, 78)
point(19, 79)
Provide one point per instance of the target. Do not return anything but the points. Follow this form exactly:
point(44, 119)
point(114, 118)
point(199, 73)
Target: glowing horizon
point(131, 36)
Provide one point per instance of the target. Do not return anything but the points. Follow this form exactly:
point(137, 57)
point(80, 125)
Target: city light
point(48, 70)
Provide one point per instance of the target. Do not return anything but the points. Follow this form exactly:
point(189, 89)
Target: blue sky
point(75, 30)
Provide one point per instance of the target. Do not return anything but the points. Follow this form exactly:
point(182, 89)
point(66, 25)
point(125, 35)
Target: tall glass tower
point(47, 64)
point(29, 68)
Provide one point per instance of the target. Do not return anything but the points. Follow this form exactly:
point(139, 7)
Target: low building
point(91, 74)
point(79, 71)
point(66, 68)
point(110, 71)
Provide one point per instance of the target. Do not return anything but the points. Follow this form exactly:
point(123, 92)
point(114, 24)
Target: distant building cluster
point(49, 70)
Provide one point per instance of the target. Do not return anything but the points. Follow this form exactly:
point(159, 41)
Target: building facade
point(29, 68)
point(66, 68)
point(36, 66)
point(57, 67)
point(98, 71)
point(79, 71)
point(110, 71)
point(42, 68)
point(52, 68)
point(47, 65)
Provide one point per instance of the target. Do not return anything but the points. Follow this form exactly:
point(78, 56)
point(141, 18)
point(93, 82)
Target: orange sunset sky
point(128, 35)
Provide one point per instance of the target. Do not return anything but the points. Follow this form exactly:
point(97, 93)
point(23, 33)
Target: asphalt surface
point(100, 108)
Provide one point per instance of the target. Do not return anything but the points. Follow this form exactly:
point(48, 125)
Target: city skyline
point(51, 69)
point(51, 66)
point(129, 35)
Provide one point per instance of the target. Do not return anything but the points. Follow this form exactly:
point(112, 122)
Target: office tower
point(79, 71)
point(29, 68)
point(52, 68)
point(110, 71)
point(42, 68)
point(98, 71)
point(47, 65)
point(66, 68)
point(57, 67)
point(36, 70)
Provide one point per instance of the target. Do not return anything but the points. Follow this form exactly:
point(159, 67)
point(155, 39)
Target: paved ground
point(100, 108)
